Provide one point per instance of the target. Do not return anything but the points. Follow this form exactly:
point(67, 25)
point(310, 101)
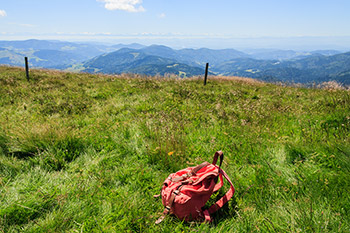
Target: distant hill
point(131, 46)
point(53, 54)
point(54, 58)
point(314, 67)
point(40, 58)
point(317, 68)
point(158, 59)
point(214, 57)
point(282, 55)
point(86, 50)
point(196, 57)
point(246, 67)
point(10, 57)
point(275, 54)
point(137, 61)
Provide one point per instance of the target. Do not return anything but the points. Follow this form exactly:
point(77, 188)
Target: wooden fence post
point(206, 74)
point(27, 68)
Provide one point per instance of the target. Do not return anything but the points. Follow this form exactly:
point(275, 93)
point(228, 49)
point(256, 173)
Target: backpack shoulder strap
point(216, 206)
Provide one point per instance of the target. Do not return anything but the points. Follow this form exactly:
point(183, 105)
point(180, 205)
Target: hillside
point(86, 153)
point(314, 68)
point(137, 61)
point(40, 58)
point(8, 57)
point(158, 59)
point(195, 57)
point(53, 54)
point(278, 54)
point(317, 68)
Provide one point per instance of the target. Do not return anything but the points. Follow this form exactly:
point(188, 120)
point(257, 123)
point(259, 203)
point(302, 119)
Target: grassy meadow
point(86, 153)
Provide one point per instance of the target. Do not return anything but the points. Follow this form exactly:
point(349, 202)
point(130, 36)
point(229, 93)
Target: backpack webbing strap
point(169, 204)
point(207, 217)
point(216, 206)
point(191, 173)
point(199, 167)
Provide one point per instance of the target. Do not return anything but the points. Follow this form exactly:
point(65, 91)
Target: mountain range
point(138, 61)
point(264, 64)
point(53, 54)
point(316, 68)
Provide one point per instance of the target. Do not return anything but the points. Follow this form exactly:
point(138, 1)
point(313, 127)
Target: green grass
point(86, 153)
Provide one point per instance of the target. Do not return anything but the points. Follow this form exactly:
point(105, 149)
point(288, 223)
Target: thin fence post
point(206, 74)
point(27, 68)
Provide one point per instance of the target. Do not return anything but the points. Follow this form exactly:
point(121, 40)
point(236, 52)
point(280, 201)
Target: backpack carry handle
point(216, 156)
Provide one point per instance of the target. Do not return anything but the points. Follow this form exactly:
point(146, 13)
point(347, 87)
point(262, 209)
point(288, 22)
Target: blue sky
point(173, 19)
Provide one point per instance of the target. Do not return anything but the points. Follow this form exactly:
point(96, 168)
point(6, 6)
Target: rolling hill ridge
point(264, 64)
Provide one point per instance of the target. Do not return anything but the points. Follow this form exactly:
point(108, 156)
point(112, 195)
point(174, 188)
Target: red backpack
point(186, 192)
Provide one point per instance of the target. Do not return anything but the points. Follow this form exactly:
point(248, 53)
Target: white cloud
point(24, 25)
point(162, 15)
point(3, 13)
point(27, 25)
point(124, 5)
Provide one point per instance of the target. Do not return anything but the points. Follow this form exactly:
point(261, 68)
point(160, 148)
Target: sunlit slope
point(85, 153)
